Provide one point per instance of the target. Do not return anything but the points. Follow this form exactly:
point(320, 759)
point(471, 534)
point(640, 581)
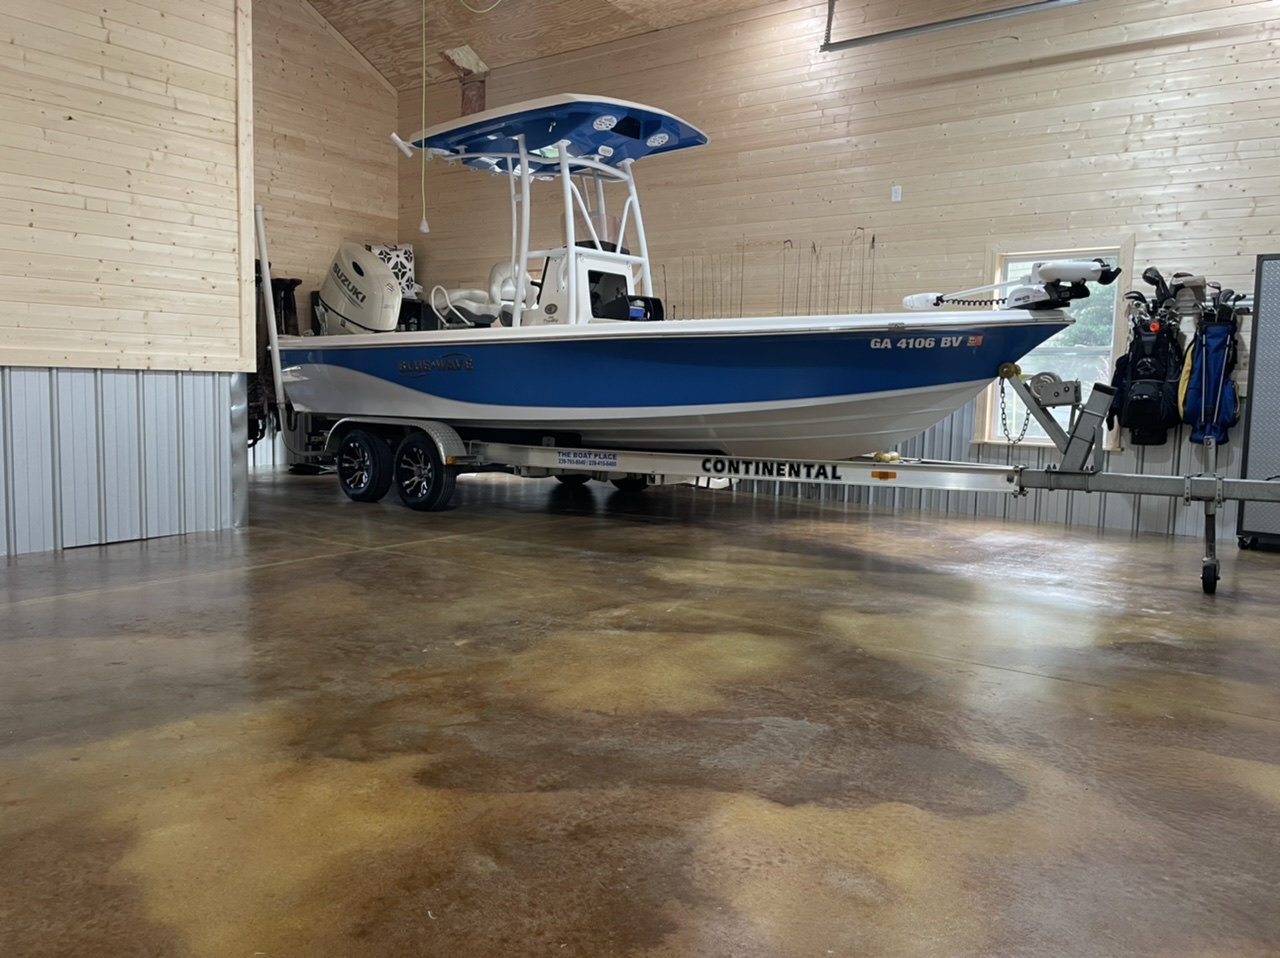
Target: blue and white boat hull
point(811, 387)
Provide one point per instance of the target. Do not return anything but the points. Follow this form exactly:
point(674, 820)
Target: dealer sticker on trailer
point(586, 459)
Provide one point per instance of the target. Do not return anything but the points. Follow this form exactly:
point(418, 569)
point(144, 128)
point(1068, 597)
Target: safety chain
point(1004, 420)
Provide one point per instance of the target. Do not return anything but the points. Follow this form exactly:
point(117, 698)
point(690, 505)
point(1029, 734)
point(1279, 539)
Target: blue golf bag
point(1208, 396)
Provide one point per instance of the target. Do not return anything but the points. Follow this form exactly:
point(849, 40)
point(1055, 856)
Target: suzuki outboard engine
point(360, 294)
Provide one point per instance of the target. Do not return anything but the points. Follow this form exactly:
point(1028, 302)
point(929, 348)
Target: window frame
point(997, 255)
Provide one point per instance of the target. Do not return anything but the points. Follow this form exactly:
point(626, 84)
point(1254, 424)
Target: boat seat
point(477, 307)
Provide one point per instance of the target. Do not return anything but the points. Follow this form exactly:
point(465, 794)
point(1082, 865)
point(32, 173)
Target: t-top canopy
point(595, 127)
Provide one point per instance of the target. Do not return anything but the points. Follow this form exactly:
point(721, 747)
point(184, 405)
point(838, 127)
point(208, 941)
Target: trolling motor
point(1050, 285)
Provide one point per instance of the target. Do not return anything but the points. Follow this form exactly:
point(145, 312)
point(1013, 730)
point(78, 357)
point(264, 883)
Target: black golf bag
point(1146, 382)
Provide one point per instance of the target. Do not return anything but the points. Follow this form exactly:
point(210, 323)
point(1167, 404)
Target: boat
point(569, 344)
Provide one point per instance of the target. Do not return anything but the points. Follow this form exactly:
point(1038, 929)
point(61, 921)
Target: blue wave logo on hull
point(448, 363)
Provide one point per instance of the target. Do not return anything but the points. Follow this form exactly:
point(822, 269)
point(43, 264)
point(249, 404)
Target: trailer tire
point(573, 478)
point(1209, 578)
point(421, 478)
point(364, 466)
point(631, 485)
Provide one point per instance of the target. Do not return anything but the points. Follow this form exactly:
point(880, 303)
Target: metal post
point(1084, 432)
point(600, 205)
point(570, 235)
point(515, 224)
point(269, 296)
point(1209, 571)
point(522, 274)
point(646, 274)
point(274, 338)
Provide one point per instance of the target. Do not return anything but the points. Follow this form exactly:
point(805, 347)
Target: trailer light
point(884, 475)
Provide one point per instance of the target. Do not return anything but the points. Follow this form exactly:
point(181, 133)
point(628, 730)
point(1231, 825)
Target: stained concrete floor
point(561, 722)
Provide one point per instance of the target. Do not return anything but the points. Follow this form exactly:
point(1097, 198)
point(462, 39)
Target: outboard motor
point(360, 294)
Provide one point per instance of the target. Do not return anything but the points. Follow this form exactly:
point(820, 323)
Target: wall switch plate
point(895, 194)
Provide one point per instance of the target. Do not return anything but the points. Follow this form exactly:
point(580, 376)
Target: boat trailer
point(430, 455)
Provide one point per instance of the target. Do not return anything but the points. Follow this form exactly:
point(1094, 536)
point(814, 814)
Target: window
point(1083, 351)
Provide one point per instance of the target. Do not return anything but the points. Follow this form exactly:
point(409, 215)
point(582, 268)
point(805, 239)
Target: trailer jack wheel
point(421, 478)
point(364, 466)
point(1209, 576)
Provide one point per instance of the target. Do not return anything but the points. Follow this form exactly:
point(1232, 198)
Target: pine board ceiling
point(388, 32)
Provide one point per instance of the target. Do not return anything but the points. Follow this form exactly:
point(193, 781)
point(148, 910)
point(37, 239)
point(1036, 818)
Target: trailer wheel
point(1209, 578)
point(631, 484)
point(364, 466)
point(573, 478)
point(422, 479)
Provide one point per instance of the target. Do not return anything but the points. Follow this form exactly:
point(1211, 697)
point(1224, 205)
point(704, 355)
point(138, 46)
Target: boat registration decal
point(449, 362)
point(925, 342)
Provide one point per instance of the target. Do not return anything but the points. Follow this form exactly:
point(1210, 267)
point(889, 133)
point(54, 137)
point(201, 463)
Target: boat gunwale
point(747, 327)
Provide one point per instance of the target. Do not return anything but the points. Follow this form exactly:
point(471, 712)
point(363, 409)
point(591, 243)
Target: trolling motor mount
point(1051, 285)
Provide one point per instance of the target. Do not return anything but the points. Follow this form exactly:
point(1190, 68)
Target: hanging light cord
point(423, 177)
point(423, 180)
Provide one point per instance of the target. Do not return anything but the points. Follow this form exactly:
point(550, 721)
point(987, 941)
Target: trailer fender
point(448, 442)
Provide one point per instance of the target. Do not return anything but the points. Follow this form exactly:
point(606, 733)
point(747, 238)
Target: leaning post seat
point(477, 307)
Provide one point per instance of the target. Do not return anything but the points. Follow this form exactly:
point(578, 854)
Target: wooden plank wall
point(325, 170)
point(1157, 119)
point(125, 159)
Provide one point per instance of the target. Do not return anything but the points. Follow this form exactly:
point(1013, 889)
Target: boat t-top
point(569, 344)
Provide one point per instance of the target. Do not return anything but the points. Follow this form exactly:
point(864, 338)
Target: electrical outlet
point(895, 194)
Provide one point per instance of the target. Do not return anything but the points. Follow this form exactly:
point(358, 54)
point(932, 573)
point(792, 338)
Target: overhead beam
point(472, 71)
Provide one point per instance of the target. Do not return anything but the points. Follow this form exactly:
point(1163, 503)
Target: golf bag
point(1207, 396)
point(1146, 382)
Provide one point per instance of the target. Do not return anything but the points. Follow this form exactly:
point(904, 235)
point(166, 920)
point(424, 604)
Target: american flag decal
point(975, 340)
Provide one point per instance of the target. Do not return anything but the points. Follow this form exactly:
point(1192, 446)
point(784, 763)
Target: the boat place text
point(585, 459)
